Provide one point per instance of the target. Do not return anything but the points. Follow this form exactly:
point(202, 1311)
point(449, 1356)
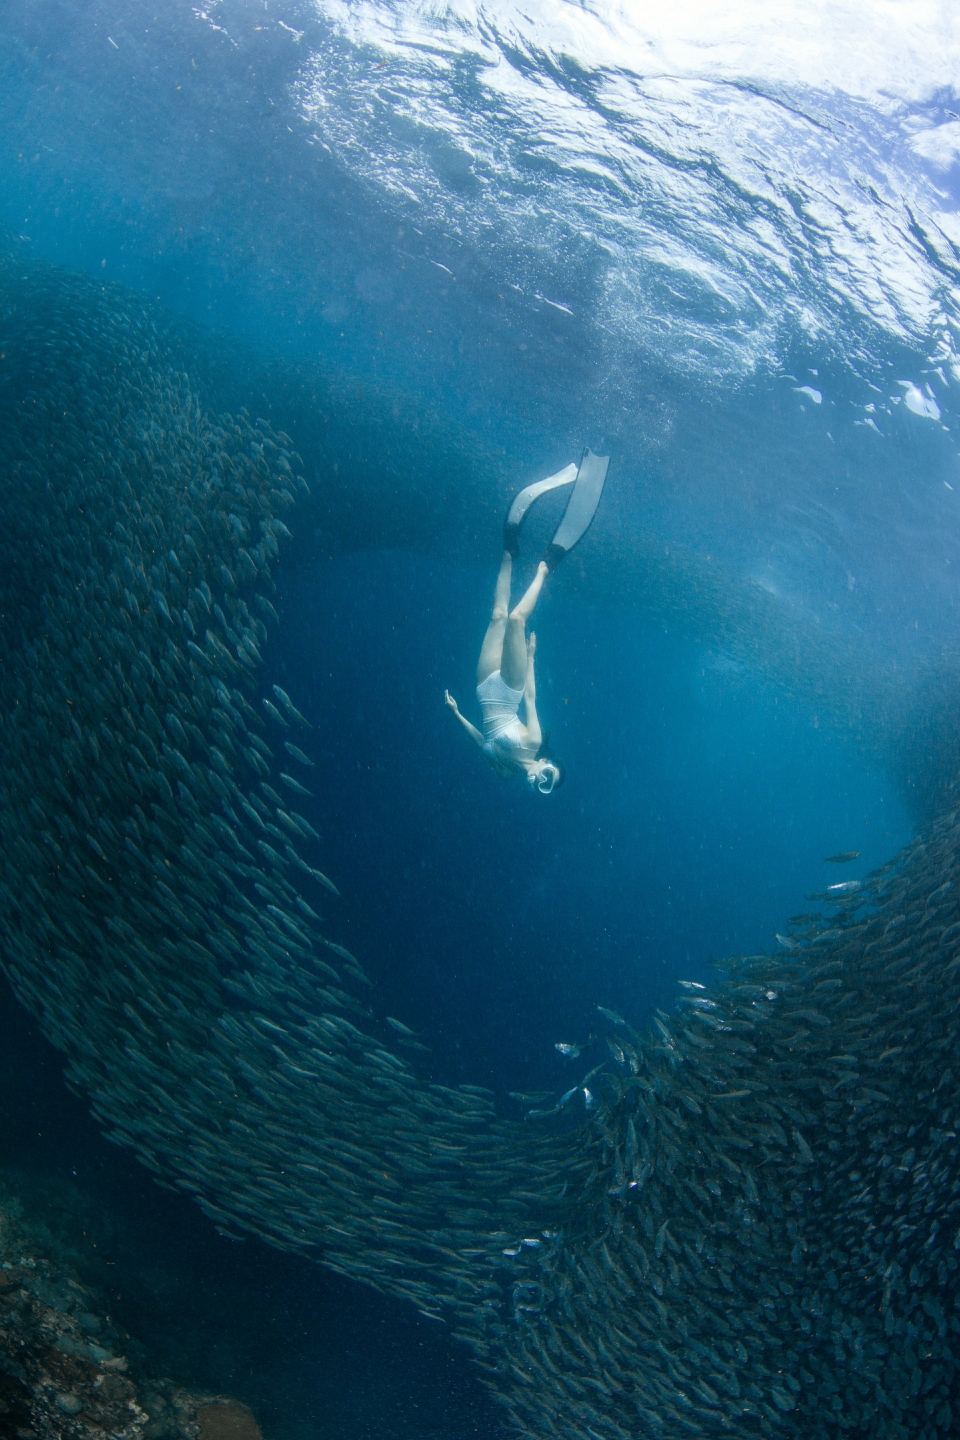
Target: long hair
point(546, 753)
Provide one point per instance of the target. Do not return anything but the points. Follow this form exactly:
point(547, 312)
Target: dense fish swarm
point(150, 872)
point(754, 1228)
point(768, 1241)
point(152, 859)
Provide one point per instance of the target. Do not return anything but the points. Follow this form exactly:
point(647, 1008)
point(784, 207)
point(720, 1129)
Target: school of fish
point(744, 1222)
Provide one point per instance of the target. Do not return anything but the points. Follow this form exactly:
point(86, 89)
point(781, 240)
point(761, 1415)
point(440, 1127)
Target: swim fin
point(523, 501)
point(581, 507)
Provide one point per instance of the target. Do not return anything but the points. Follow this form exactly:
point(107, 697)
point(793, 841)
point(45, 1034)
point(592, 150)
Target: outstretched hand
point(450, 703)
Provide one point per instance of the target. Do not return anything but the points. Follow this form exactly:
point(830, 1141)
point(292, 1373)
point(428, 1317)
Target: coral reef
point(63, 1373)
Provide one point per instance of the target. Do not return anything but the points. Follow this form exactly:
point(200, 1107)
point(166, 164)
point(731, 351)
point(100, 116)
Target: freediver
point(505, 671)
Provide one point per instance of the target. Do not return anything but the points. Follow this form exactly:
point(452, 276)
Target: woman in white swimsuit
point(504, 679)
point(505, 672)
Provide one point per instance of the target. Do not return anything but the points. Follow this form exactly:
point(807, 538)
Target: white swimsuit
point(503, 742)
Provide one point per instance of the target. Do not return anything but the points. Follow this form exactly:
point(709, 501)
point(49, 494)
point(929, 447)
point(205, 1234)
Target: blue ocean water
point(720, 250)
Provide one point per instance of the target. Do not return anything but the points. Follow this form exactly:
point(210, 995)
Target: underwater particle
point(843, 858)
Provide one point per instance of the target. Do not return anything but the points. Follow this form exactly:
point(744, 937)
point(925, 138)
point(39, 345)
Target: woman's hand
point(532, 645)
point(471, 730)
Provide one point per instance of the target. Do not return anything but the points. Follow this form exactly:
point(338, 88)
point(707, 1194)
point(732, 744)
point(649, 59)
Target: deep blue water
point(505, 236)
point(695, 816)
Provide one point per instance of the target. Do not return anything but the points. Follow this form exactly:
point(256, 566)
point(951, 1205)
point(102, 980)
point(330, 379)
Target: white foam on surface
point(923, 405)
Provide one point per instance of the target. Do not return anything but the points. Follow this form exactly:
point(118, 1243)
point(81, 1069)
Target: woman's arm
point(471, 730)
point(534, 736)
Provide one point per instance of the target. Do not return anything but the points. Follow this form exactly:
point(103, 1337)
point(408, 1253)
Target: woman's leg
point(534, 733)
point(492, 647)
point(513, 661)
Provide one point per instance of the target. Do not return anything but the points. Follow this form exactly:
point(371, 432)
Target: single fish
point(846, 887)
point(290, 708)
point(264, 605)
point(611, 1015)
point(297, 754)
point(572, 1050)
point(291, 825)
point(293, 785)
point(303, 824)
point(843, 858)
point(274, 714)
